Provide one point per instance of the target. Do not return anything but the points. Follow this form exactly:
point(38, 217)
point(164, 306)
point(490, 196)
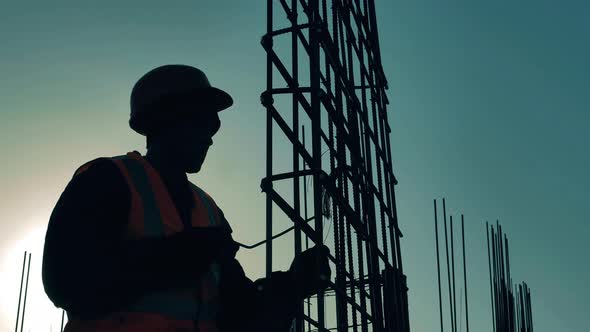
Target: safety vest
point(152, 214)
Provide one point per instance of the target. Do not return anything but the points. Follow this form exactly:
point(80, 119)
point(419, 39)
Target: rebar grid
point(333, 80)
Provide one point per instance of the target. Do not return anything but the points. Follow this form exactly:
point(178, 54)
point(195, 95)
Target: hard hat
point(155, 93)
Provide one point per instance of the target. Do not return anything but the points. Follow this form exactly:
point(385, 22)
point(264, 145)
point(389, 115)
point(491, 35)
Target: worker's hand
point(310, 271)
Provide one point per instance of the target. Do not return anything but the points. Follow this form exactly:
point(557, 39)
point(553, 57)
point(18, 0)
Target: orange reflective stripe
point(209, 205)
point(135, 226)
point(207, 326)
point(84, 167)
point(199, 216)
point(170, 217)
point(214, 213)
point(130, 322)
point(153, 213)
point(215, 210)
point(209, 287)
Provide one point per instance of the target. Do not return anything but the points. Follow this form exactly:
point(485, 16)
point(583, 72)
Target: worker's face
point(189, 140)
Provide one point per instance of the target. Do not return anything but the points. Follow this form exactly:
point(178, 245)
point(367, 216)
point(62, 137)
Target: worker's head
point(184, 137)
point(176, 108)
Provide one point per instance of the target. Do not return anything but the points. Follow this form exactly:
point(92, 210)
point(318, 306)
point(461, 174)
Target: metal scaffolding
point(324, 72)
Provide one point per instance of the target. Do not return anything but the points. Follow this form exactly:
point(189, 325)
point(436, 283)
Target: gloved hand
point(310, 271)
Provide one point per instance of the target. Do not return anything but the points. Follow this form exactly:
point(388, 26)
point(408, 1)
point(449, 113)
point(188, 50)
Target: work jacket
point(119, 276)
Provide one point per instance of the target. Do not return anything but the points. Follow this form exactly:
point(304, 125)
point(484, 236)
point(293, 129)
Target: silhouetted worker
point(132, 245)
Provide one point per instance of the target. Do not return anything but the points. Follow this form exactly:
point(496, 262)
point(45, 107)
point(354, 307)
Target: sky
point(488, 108)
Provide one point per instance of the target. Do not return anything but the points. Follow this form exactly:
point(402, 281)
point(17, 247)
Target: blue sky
point(488, 109)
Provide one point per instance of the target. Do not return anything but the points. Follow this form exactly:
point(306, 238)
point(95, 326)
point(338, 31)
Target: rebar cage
point(324, 71)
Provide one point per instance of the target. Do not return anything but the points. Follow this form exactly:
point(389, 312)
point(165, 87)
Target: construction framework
point(324, 72)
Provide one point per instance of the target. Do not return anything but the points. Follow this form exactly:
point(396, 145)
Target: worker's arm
point(89, 268)
point(267, 304)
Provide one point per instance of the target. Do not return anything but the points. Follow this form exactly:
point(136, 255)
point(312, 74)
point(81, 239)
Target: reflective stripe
point(207, 204)
point(131, 322)
point(159, 210)
point(169, 216)
point(208, 312)
point(199, 216)
point(135, 225)
point(152, 219)
point(84, 167)
point(153, 213)
point(207, 326)
point(168, 303)
point(216, 270)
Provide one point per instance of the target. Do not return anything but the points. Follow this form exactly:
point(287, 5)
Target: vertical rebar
point(509, 296)
point(25, 300)
point(269, 122)
point(438, 267)
point(297, 177)
point(20, 291)
point(314, 65)
point(497, 303)
point(448, 264)
point(453, 276)
point(465, 274)
point(518, 314)
point(500, 257)
point(306, 217)
point(351, 49)
point(522, 305)
point(510, 309)
point(61, 329)
point(490, 273)
point(530, 309)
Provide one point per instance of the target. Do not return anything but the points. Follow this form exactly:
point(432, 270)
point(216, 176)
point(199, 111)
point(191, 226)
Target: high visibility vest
point(153, 213)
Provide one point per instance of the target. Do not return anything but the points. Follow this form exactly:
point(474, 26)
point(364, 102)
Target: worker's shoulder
point(97, 166)
point(204, 195)
point(96, 183)
point(100, 171)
